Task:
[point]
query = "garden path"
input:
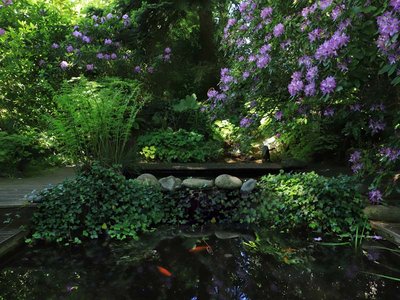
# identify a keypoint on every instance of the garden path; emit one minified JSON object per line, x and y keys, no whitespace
{"x":15,"y":211}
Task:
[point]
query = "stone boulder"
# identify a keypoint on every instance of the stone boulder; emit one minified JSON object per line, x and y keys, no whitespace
{"x":170,"y":183}
{"x":390,"y":214}
{"x":197,"y":183}
{"x":148,"y":179}
{"x":228,"y":182}
{"x":248,"y":186}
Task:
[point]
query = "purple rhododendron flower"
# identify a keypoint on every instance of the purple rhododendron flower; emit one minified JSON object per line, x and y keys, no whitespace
{"x":55,"y":46}
{"x":89,"y":67}
{"x":2,"y":31}
{"x":330,"y":47}
{"x":100,"y":55}
{"x":312,"y":73}
{"x":150,"y":70}
{"x":355,"y":107}
{"x":310,"y":89}
{"x":390,"y":153}
{"x":77,"y":34}
{"x":70,"y":49}
{"x":358,"y":166}
{"x":113,"y":56}
{"x":167,"y":50}
{"x":107,"y":56}
{"x":337,"y":11}
{"x":395,"y":4}
{"x":125,"y":17}
{"x":279,"y":30}
{"x":329,"y":112}
{"x":328,"y":85}
{"x":166,"y":57}
{"x":278,"y":115}
{"x":64,"y":65}
{"x":375,"y":196}
{"x":315,"y":34}
{"x":245,"y":122}
{"x":305,"y":61}
{"x":376,"y":126}
{"x":388,"y":24}
{"x":212,"y":93}
{"x":109,"y":16}
{"x":246,"y":74}
{"x":86,"y":39}
{"x":295,"y":87}
{"x":324,"y":4}
{"x":263,"y":61}
{"x":107,"y":42}
{"x":355,"y":156}
{"x":95,"y":18}
{"x":266,"y":12}
{"x":137,"y":69}
{"x":265,"y":48}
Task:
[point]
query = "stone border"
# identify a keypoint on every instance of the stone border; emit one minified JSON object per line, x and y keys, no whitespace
{"x":224,"y":181}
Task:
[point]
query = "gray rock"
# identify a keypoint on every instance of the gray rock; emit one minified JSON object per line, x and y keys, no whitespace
{"x":197,"y":183}
{"x":148,"y":179}
{"x":382,"y":213}
{"x":170,"y":183}
{"x":228,"y":182}
{"x":248,"y":186}
{"x":226,"y":235}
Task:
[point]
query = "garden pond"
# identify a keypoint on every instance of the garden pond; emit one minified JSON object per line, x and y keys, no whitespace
{"x":208,"y":264}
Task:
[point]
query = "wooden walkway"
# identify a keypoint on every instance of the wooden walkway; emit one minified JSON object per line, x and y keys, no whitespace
{"x":15,"y":211}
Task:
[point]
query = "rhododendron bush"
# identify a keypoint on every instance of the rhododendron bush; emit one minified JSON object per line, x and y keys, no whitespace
{"x":319,"y":76}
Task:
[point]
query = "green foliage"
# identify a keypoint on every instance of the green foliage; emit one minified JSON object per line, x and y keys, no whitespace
{"x":96,"y":202}
{"x":183,"y":146}
{"x":29,"y":71}
{"x":311,"y":202}
{"x":15,"y":151}
{"x":197,"y":207}
{"x":94,"y":119}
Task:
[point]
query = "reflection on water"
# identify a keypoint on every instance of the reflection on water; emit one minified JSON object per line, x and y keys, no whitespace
{"x":131,"y":270}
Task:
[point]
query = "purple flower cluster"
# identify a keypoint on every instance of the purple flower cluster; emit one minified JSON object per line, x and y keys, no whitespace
{"x":331,"y":47}
{"x":316,"y":34}
{"x":328,"y":85}
{"x":390,"y":153}
{"x":376,"y":126}
{"x":246,"y":122}
{"x":167,"y":54}
{"x":296,"y":85}
{"x":279,"y":29}
{"x":2,"y":31}
{"x":395,"y":4}
{"x":278,"y":115}
{"x":355,"y":159}
{"x":89,"y":67}
{"x":308,"y":10}
{"x":64,"y":65}
{"x":266,"y":13}
{"x":375,"y":196}
{"x":324,"y":4}
{"x":329,"y":112}
{"x":388,"y":26}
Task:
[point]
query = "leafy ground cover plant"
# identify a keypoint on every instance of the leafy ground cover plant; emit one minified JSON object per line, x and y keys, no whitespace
{"x":181,"y":145}
{"x":311,"y":202}
{"x":96,"y":201}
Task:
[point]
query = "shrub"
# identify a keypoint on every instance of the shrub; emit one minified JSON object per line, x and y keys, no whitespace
{"x":15,"y":152}
{"x":181,"y":145}
{"x":94,"y":120}
{"x":96,"y":201}
{"x":309,"y":201}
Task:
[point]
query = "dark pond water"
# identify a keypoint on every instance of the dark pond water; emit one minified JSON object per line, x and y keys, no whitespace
{"x":233,"y":267}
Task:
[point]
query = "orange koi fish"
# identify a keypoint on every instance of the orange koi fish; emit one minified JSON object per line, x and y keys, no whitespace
{"x":200,"y":248}
{"x":164,"y":271}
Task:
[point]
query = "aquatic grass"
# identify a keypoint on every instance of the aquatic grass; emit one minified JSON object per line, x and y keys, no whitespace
{"x":383,"y":276}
